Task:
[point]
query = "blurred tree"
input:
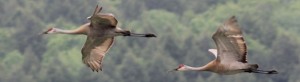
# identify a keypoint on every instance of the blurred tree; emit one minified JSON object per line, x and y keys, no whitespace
{"x":184,"y":29}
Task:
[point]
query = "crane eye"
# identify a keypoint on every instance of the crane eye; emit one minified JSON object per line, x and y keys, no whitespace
{"x":181,"y":65}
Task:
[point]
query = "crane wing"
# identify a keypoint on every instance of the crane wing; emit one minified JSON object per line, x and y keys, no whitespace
{"x":94,"y":51}
{"x":230,"y":42}
{"x":97,"y":10}
{"x":102,"y":20}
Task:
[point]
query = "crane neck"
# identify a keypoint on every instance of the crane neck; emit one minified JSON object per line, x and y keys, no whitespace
{"x":201,"y":68}
{"x":83,"y":29}
{"x":61,"y":31}
{"x":74,"y":31}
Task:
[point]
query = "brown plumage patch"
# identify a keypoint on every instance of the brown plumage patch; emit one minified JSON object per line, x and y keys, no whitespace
{"x":237,"y":37}
{"x":240,"y":45}
{"x":243,"y":49}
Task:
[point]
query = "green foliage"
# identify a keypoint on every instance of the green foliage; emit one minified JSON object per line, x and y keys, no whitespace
{"x":184,"y":29}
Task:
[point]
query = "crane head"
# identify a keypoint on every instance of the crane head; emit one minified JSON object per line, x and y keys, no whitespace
{"x":50,"y":31}
{"x":181,"y":67}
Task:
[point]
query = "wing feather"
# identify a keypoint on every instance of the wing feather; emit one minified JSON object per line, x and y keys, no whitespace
{"x":230,"y":42}
{"x":102,"y":20}
{"x":94,"y":51}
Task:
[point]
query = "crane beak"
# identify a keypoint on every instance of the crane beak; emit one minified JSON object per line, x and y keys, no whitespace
{"x":172,"y":70}
{"x":43,"y":33}
{"x":176,"y":69}
{"x":50,"y":30}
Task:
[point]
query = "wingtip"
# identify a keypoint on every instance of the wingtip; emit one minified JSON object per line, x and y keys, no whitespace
{"x":97,"y":10}
{"x":98,"y":70}
{"x":233,"y":18}
{"x":100,"y":9}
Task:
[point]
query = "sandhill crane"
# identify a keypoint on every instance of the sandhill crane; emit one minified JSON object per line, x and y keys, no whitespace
{"x":230,"y":55}
{"x":100,"y":36}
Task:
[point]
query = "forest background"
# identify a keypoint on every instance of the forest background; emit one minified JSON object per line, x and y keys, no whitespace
{"x":184,"y":29}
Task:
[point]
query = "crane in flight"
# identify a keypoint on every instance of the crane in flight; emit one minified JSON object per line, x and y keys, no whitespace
{"x":230,"y":55}
{"x":100,"y":32}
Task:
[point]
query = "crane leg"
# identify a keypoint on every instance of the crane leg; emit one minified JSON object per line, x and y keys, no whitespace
{"x":261,"y":71}
{"x":128,"y":33}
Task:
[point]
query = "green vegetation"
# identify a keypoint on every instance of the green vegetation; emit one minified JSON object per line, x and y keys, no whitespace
{"x":184,"y":29}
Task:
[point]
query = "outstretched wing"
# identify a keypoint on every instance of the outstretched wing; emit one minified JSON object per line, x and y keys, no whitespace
{"x":94,"y":51}
{"x":102,"y":20}
{"x":96,"y":11}
{"x":230,"y":42}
